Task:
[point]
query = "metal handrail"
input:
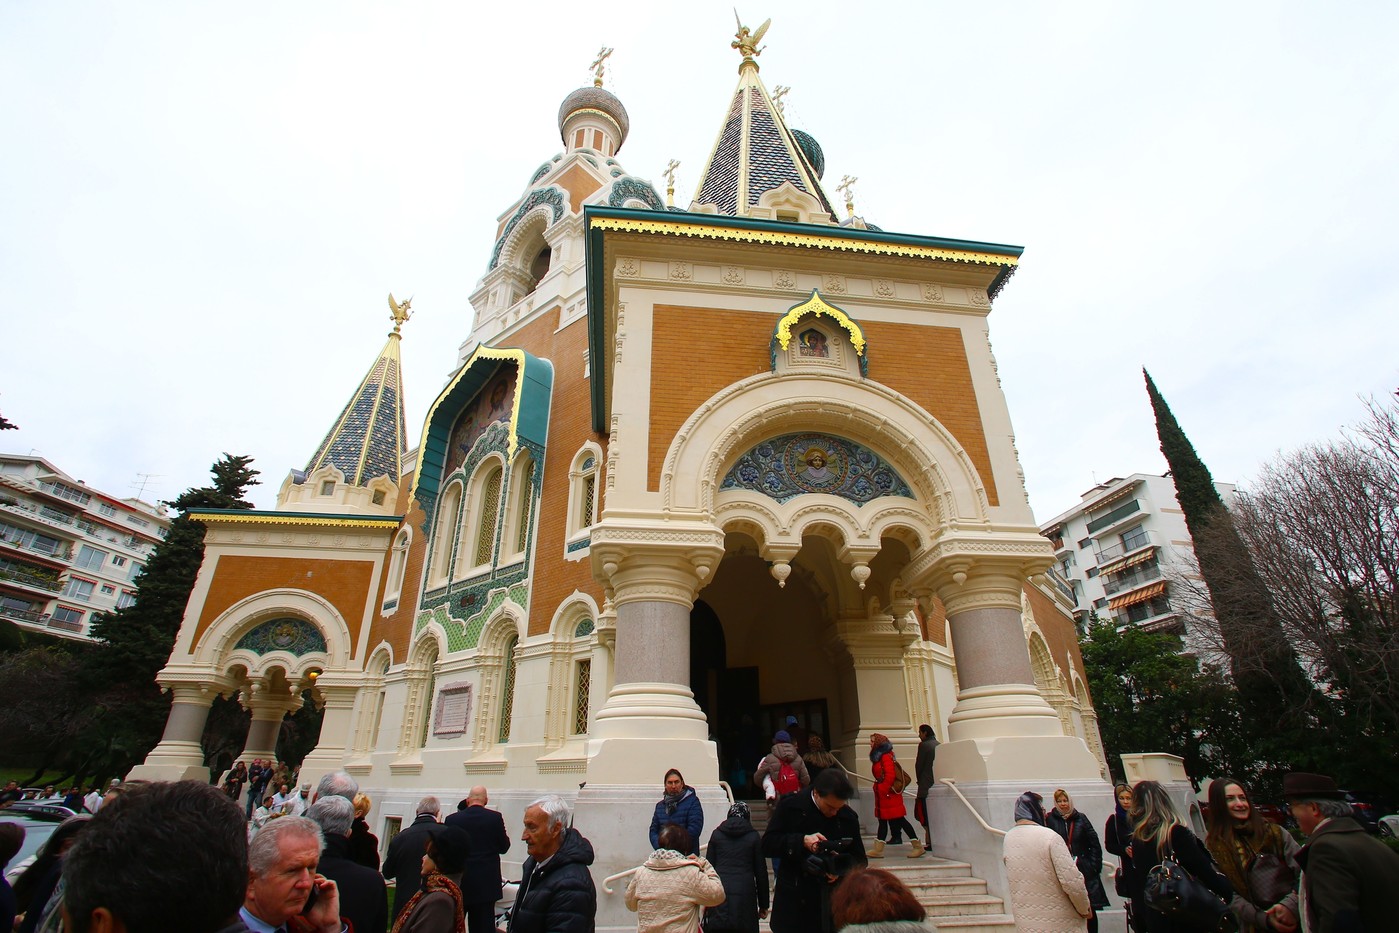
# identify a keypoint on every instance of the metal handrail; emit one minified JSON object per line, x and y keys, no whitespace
{"x":872,"y":782}
{"x":958,"y":791}
{"x":607,"y":882}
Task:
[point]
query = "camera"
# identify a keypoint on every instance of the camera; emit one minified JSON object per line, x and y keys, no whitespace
{"x":832,"y":857}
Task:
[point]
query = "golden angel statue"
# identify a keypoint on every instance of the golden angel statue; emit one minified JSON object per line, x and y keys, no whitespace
{"x":747,"y":41}
{"x":400,"y":311}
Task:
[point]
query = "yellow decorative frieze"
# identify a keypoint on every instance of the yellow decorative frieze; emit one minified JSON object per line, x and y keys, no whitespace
{"x":807,"y":240}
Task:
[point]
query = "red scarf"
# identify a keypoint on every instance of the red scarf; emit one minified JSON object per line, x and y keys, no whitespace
{"x":435,"y":882}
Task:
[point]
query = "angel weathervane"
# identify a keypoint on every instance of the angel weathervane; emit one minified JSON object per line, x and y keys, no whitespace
{"x":747,"y":41}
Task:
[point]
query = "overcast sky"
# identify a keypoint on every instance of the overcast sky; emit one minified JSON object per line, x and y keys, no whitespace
{"x":203,"y":206}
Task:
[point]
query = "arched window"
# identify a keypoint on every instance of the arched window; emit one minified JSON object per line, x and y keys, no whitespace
{"x":507,"y":689}
{"x":539,"y":267}
{"x":422,"y":682}
{"x":583,"y":498}
{"x":490,"y":513}
{"x":398,"y":566}
{"x":515,"y":540}
{"x":445,"y":535}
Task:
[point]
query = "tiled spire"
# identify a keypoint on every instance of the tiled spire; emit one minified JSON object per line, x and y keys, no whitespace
{"x":370,"y":436}
{"x":755,"y":152}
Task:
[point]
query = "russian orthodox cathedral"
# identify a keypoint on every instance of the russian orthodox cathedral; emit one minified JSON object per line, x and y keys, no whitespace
{"x":699,"y":469}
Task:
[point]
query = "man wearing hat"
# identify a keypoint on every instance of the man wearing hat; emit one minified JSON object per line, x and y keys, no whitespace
{"x":1350,"y":882}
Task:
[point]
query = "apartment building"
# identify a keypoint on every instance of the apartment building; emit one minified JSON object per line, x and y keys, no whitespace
{"x":1124,"y":548}
{"x":68,"y":552}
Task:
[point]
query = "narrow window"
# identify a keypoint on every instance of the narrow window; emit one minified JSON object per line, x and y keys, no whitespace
{"x":507,"y":691}
{"x":584,"y":683}
{"x":490,"y":507}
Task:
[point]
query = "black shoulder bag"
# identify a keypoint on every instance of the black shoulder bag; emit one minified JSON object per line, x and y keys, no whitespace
{"x":1172,"y":891}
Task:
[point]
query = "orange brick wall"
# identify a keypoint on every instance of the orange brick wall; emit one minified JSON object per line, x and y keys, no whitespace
{"x":342,"y":583}
{"x":736,"y":347}
{"x":397,"y":627}
{"x":929,"y":365}
{"x":1059,"y":632}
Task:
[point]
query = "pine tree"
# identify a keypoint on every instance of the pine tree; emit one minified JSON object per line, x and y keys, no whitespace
{"x":133,"y":644}
{"x":1276,"y":695}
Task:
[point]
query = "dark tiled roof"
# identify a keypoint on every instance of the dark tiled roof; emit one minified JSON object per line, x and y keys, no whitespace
{"x":721,"y":184}
{"x":769,"y":160}
{"x":369,"y":437}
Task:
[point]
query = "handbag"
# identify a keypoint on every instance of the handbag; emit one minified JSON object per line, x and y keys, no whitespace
{"x":1270,"y":878}
{"x":1172,"y":891}
{"x":1119,"y":882}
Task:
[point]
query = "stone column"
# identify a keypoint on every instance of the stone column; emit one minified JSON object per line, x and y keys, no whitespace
{"x":180,"y":756}
{"x":1001,"y":728}
{"x":268,"y":712}
{"x":337,"y":692}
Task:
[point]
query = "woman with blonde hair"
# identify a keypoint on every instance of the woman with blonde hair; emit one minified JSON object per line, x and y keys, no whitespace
{"x":1258,"y":858}
{"x":364,"y":845}
{"x":1157,"y":834}
{"x":1077,"y":832}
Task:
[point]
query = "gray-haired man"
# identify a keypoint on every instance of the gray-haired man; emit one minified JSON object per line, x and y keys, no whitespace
{"x":556,"y":893}
{"x":404,"y":861}
{"x":363,"y":898}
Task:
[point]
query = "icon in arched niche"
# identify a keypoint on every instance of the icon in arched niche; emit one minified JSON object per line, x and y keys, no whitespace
{"x":793,"y":464}
{"x":292,"y":635}
{"x":812,"y":343}
{"x":491,"y":405}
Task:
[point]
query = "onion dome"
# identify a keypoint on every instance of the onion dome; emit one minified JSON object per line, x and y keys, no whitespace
{"x":593,"y":118}
{"x":812,"y":150}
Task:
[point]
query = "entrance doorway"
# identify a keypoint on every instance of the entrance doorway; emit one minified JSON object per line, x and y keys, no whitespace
{"x":757,"y":656}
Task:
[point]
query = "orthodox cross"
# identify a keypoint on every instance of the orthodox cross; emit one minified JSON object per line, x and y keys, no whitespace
{"x":779,"y":92}
{"x":846,"y":184}
{"x":599,"y":64}
{"x":669,"y":174}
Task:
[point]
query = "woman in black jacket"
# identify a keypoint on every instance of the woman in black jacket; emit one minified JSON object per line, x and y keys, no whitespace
{"x":1159,"y":833}
{"x":1077,"y":831}
{"x":735,"y":851}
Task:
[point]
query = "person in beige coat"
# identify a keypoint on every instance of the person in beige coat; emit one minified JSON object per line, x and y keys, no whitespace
{"x":1047,"y":893}
{"x":669,"y":892}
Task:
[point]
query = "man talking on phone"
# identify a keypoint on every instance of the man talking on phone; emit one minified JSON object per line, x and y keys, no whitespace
{"x":285,"y":895}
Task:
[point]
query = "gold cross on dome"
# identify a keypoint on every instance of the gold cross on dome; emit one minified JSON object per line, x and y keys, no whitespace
{"x":669,"y":174}
{"x":599,"y":64}
{"x":846,"y":187}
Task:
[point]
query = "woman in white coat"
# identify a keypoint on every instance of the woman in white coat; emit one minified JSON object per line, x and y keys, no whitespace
{"x":1047,"y":893}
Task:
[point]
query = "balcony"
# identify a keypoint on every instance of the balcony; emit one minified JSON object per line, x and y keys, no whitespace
{"x":1113,"y":517}
{"x":17,"y":574}
{"x":1130,"y":581}
{"x":23,"y":615}
{"x":1137,"y":540}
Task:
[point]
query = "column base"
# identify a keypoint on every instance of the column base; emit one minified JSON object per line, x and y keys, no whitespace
{"x":172,"y":761}
{"x":646,"y":728}
{"x":1000,"y":710}
{"x":1032,"y":759}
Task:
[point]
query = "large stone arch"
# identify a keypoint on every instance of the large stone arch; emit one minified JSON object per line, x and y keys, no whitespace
{"x":216,"y":649}
{"x":942,"y":476}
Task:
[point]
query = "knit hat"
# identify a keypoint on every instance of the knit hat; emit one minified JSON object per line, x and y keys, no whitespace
{"x":791,"y":720}
{"x":739,"y":808}
{"x":782,"y":736}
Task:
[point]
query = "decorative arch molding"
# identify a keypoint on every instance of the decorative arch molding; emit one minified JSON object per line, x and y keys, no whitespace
{"x":573,"y":610}
{"x":547,"y":204}
{"x":1049,"y":680}
{"x":216,"y":649}
{"x":903,"y":433}
{"x":782,"y":334}
{"x":843,"y":522}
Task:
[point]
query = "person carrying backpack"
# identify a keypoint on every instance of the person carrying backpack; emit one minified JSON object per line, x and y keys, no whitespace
{"x":890,"y":779}
{"x":782,"y":768}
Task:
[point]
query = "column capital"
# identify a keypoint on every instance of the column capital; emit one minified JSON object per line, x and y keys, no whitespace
{"x":647,"y":562}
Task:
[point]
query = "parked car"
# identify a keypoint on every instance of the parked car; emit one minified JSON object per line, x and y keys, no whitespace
{"x":1368,"y":807}
{"x":39,"y":822}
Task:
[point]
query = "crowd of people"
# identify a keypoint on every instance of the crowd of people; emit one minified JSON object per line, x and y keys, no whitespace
{"x":318,"y":868}
{"x":1248,"y":874}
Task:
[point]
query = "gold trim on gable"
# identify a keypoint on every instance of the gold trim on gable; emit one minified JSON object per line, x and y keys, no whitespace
{"x":817,"y":305}
{"x":809,"y":240}
{"x":264,"y":518}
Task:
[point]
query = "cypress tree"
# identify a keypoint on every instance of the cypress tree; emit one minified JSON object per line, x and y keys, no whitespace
{"x":1276,"y":694}
{"x":133,"y":644}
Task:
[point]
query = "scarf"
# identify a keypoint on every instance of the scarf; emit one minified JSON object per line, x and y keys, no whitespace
{"x":672,"y":801}
{"x":740,"y":809}
{"x":1027,"y":807}
{"x":880,"y":748}
{"x":436,"y":881}
{"x":1235,"y":858}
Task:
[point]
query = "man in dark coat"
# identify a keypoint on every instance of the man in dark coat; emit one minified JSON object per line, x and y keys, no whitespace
{"x":556,"y":893}
{"x":923,"y":774}
{"x":481,"y":882}
{"x":363,"y":894}
{"x":809,"y":823}
{"x":404,"y":861}
{"x":1350,"y":882}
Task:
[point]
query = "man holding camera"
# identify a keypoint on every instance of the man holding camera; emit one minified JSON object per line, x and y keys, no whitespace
{"x":817,"y":837}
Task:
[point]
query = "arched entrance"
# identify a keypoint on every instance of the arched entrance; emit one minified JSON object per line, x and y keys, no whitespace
{"x":760,"y":652}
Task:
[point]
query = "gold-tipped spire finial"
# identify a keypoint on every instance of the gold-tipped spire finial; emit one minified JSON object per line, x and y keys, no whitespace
{"x":669,"y":174}
{"x":846,"y":187}
{"x":401,"y":314}
{"x":778,"y":92}
{"x":746,"y":41}
{"x":599,"y":64}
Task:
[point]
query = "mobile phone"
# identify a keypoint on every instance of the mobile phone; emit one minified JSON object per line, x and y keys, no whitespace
{"x":312,"y":897}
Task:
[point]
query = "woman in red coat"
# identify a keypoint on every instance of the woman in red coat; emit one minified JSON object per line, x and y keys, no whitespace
{"x":889,"y":803}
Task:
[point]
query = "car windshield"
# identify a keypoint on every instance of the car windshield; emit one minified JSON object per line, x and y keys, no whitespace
{"x":37,"y":830}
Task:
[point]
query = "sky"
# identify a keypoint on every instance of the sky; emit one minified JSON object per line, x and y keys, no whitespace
{"x":204,"y":206}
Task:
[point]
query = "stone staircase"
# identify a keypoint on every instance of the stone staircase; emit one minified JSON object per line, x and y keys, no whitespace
{"x":955,"y":900}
